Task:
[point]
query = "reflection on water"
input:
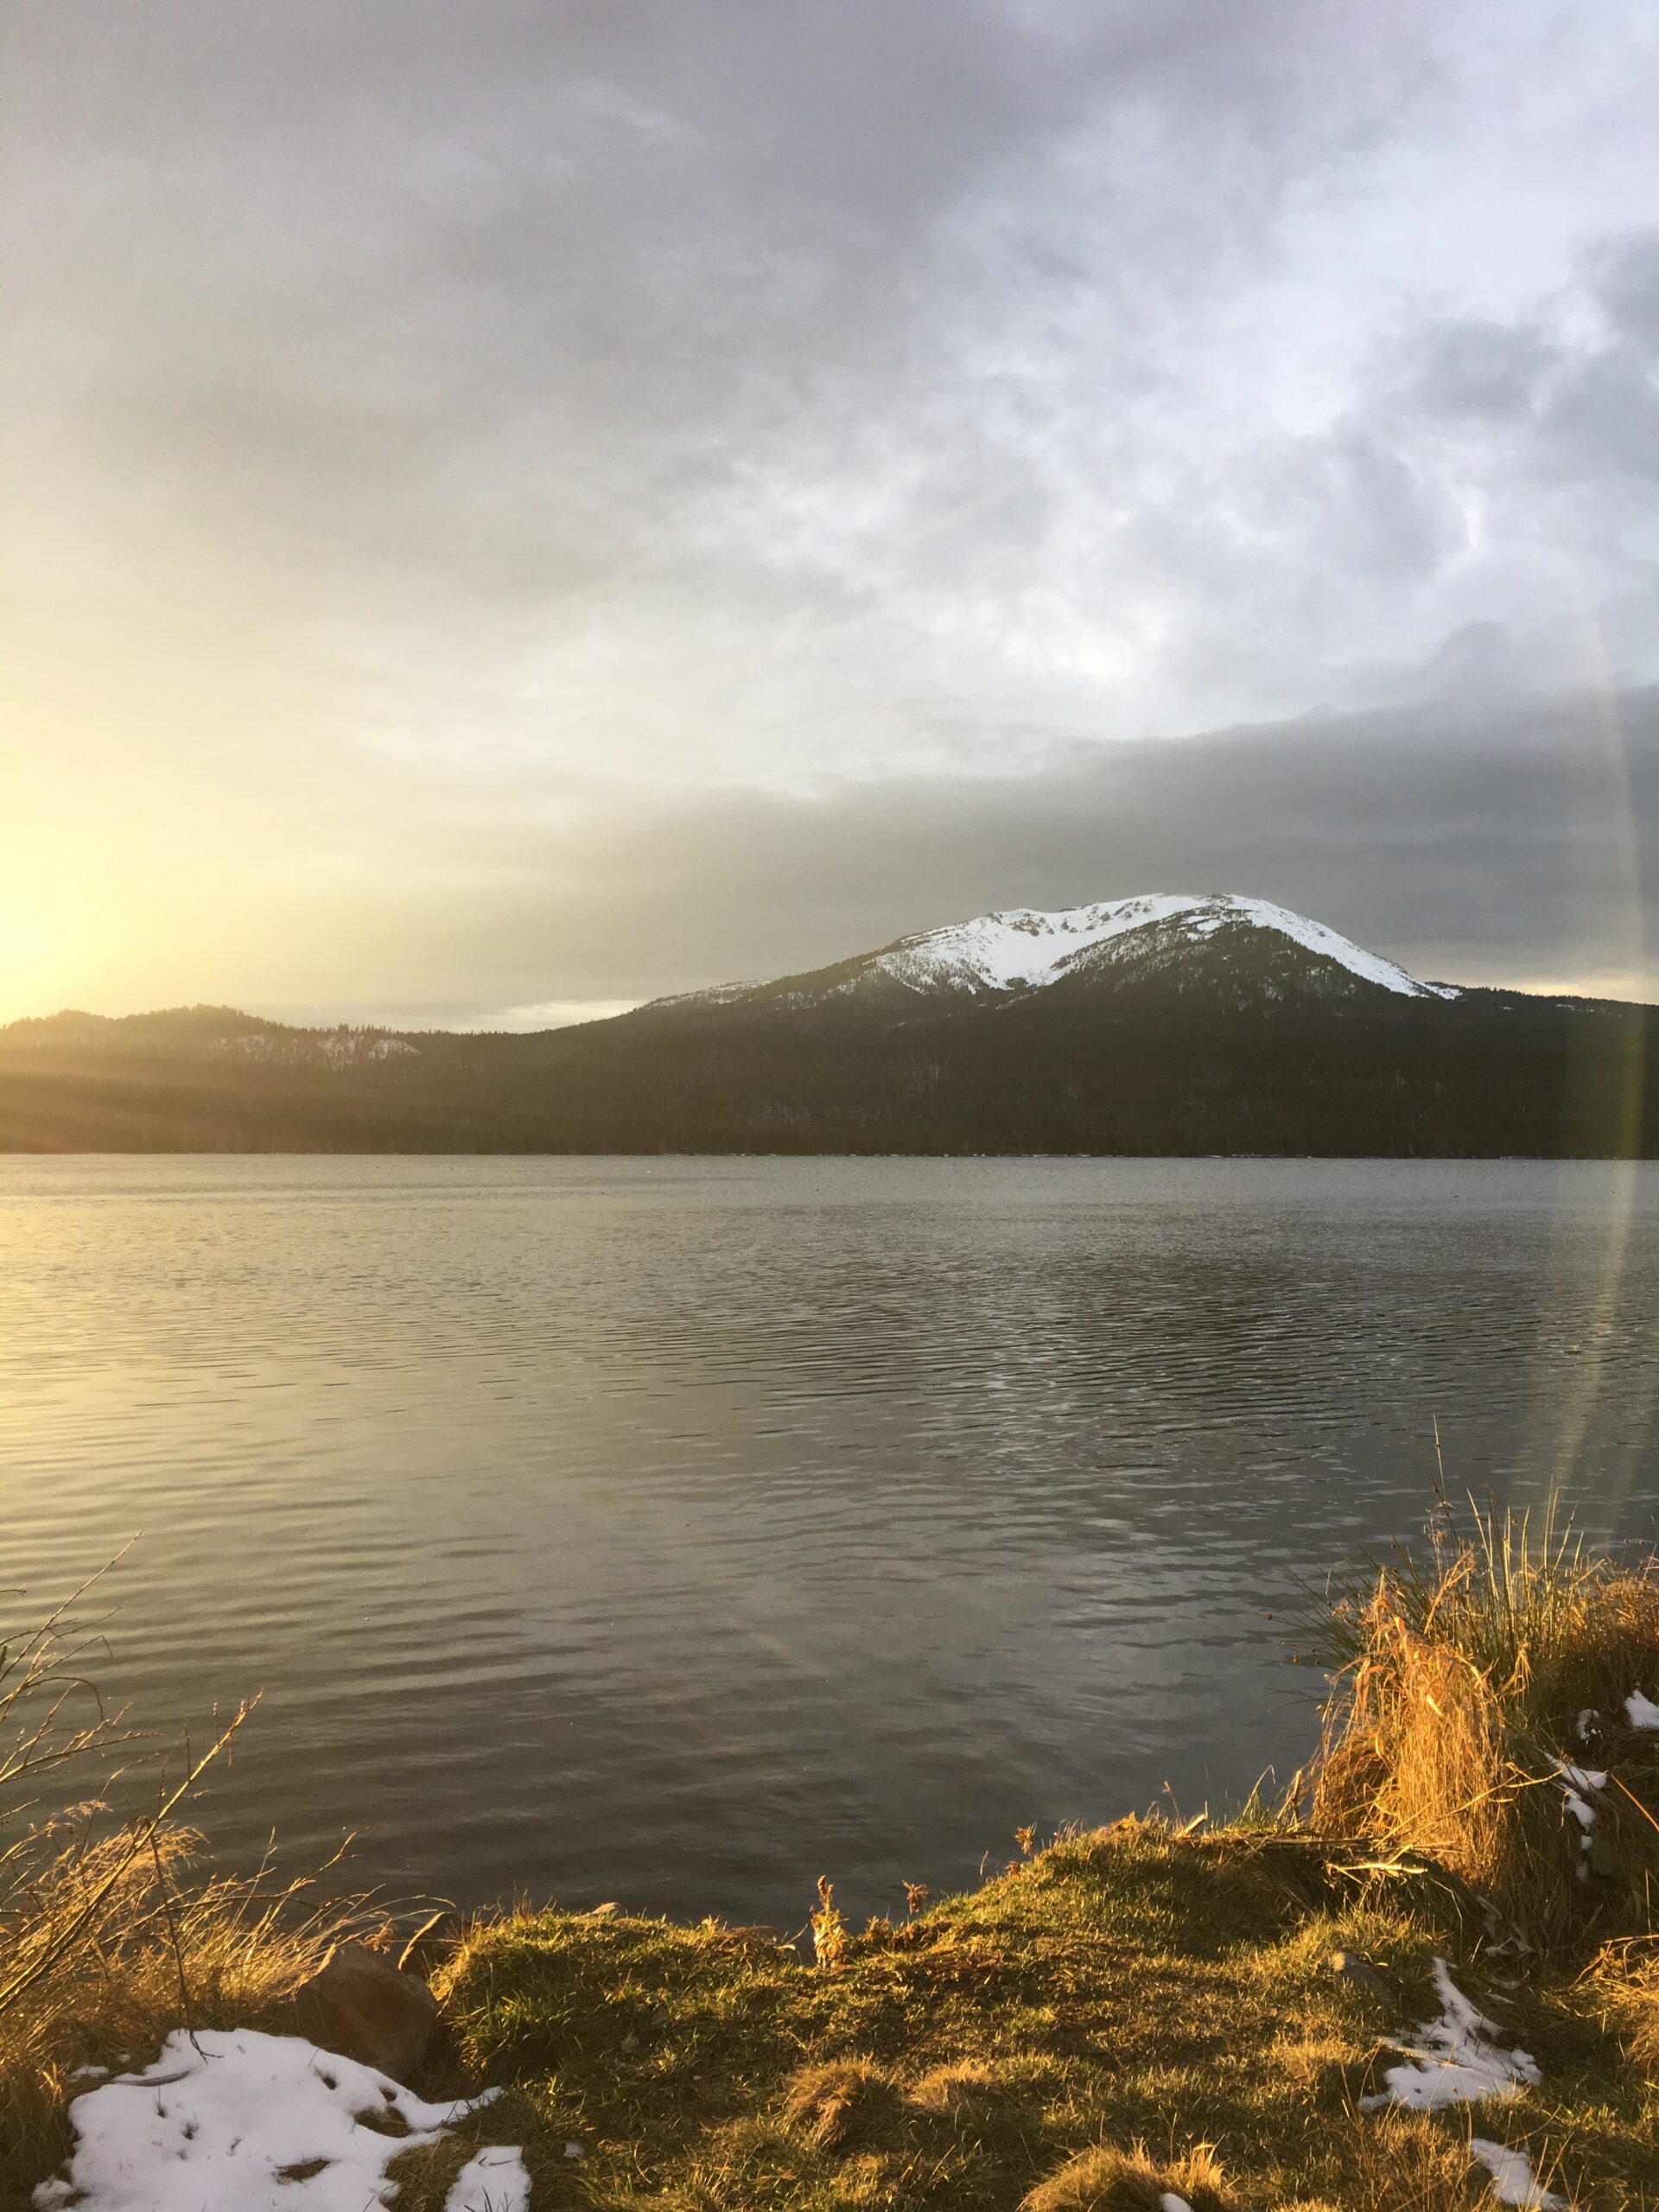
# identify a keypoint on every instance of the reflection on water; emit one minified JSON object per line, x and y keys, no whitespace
{"x":680,"y":1530}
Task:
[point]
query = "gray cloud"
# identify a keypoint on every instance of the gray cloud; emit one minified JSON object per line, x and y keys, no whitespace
{"x":1626,"y":274}
{"x":1510,"y":845}
{"x":449,"y":449}
{"x":1473,"y":368}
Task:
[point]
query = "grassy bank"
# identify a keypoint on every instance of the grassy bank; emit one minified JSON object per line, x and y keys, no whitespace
{"x":1120,"y":2015}
{"x":1134,"y":1989}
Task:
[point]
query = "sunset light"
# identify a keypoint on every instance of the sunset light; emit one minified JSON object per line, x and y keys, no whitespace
{"x":60,"y":935}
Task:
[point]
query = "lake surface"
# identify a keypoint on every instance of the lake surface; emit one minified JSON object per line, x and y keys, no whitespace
{"x":678,"y":1531}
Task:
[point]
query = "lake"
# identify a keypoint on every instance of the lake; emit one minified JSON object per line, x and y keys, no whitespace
{"x":679,"y":1530}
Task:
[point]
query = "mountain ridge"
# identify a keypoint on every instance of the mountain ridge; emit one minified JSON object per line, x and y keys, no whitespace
{"x":1167,"y":1023}
{"x":1023,"y":948}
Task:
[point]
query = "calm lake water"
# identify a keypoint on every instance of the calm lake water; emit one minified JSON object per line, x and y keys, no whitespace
{"x":678,"y":1531}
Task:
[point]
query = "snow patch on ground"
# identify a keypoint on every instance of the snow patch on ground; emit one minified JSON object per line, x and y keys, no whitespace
{"x":231,"y":2120}
{"x":1582,"y":1777}
{"x":1576,"y":1782}
{"x":1455,"y":2061}
{"x":495,"y":2181}
{"x":1641,"y":1712}
{"x":1512,"y":2180}
{"x":340,"y":1048}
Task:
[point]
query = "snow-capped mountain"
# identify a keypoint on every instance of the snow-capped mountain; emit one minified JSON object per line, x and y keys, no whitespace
{"x":1219,"y":941}
{"x":1024,"y":950}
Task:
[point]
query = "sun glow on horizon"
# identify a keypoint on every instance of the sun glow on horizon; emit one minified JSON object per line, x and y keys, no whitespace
{"x":60,"y":937}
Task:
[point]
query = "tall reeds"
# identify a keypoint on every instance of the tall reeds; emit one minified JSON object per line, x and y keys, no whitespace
{"x":115,"y":1929}
{"x":1479,"y":1718}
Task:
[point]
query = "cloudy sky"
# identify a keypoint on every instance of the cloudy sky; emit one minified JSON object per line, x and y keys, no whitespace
{"x":528,"y":505}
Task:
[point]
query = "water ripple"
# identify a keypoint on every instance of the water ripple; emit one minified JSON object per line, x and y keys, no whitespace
{"x":682,"y":1529}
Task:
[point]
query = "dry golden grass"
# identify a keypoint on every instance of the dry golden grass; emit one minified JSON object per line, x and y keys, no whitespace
{"x":426,"y":2174}
{"x":1407,"y":2162}
{"x":1623,"y":1982}
{"x":1102,"y":2179}
{"x":1460,"y":1689}
{"x":830,"y":2105}
{"x":964,"y":2090}
{"x":173,"y":1943}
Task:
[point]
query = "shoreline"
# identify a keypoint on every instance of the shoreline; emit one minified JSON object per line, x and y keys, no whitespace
{"x":1424,"y":1980}
{"x":1120,"y":2017}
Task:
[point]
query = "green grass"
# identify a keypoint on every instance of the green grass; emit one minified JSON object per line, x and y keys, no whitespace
{"x":1135,"y":1987}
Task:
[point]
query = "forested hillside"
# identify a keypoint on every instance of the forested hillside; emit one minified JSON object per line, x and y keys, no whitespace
{"x":1143,"y":1071}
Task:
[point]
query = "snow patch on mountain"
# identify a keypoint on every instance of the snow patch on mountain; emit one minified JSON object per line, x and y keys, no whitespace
{"x":1026,"y":949}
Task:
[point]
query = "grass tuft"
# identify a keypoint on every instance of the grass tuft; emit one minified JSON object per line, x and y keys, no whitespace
{"x":832,"y":2105}
{"x":1406,"y":2162}
{"x":965,"y":2090}
{"x":831,"y":1936}
{"x":1105,"y":2180}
